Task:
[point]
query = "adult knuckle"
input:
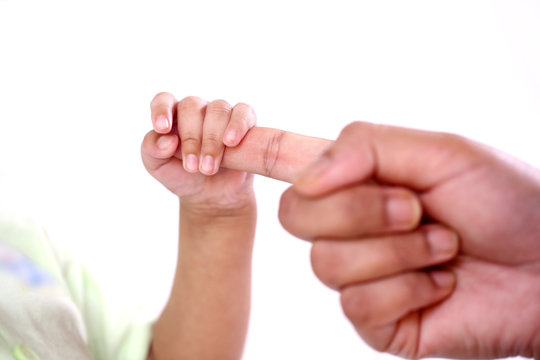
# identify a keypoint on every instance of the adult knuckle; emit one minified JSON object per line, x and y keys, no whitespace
{"x":290,"y":214}
{"x":453,"y":144}
{"x":398,"y":256}
{"x":285,"y":213}
{"x":326,"y":263}
{"x":358,"y":127}
{"x":355,"y":305}
{"x":363,"y":209}
{"x":271,"y":152}
{"x":353,"y":127}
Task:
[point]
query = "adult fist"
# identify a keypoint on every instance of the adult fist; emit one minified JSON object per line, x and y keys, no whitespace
{"x":360,"y":205}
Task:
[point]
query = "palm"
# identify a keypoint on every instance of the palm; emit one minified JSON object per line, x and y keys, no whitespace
{"x":226,"y":188}
{"x":499,"y":259}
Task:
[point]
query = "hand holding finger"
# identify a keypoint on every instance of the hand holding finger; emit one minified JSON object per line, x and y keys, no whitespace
{"x":223,"y":126}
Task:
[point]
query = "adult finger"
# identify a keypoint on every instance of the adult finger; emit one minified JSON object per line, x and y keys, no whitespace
{"x":274,"y":153}
{"x":243,"y":118}
{"x":217,"y":116}
{"x":163,"y":111}
{"x":377,"y":309}
{"x":338,"y":263}
{"x":388,"y":154}
{"x":351,"y":212}
{"x":190,"y":112}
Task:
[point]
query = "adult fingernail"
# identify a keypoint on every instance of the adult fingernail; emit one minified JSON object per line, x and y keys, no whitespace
{"x":207,"y":165}
{"x":403,"y":211}
{"x":442,"y":242}
{"x":162,"y":123}
{"x":191,"y":163}
{"x":443,"y":279}
{"x":229,"y":138}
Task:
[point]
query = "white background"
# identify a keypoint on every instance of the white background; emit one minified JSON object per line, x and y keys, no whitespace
{"x":76,"y":79}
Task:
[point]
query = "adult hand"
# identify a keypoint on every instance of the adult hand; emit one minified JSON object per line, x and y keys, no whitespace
{"x":353,"y":204}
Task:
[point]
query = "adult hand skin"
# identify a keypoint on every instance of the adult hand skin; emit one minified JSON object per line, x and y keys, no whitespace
{"x":485,"y":302}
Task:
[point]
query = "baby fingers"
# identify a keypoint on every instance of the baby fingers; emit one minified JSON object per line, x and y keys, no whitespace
{"x":157,"y":150}
{"x":218,"y":115}
{"x":243,"y":118}
{"x":206,"y":128}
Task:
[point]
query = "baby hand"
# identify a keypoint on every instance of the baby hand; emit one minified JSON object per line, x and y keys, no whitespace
{"x":187,"y":145}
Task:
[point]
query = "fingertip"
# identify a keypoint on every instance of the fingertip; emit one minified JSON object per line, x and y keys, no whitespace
{"x":157,"y":148}
{"x":207,"y":165}
{"x":403,"y":209}
{"x":164,"y":146}
{"x":164,"y":142}
{"x":162,"y":124}
{"x":242,"y":119}
{"x":191,"y":163}
{"x":230,"y":138}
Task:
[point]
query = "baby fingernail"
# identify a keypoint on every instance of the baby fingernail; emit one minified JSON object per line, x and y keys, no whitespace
{"x":442,"y":242}
{"x":207,"y":165}
{"x":403,"y":211}
{"x":163,"y":142}
{"x":162,"y":123}
{"x":191,"y":163}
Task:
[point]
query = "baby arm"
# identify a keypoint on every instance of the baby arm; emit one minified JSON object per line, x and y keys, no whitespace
{"x":207,"y":313}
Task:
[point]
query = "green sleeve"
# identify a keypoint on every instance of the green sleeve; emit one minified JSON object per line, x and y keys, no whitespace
{"x":110,"y":336}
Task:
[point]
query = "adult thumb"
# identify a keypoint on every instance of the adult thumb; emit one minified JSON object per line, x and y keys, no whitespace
{"x":391,"y":155}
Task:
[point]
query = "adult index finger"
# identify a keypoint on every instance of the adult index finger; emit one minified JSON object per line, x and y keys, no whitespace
{"x":274,"y":153}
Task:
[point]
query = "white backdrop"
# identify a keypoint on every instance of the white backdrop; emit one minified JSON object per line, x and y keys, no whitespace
{"x":76,"y":79}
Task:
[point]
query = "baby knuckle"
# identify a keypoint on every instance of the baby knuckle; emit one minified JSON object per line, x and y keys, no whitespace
{"x":159,"y":97}
{"x":245,"y":111}
{"x":190,"y":102}
{"x":211,"y":143}
{"x":218,"y":107}
{"x":189,"y":140}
